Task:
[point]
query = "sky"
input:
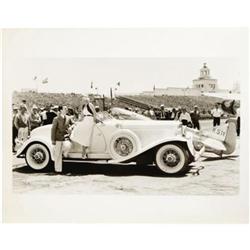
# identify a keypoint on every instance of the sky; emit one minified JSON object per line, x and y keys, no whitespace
{"x":134,"y":74}
{"x":137,"y":58}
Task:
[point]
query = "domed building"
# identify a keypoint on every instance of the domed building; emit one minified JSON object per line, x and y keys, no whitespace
{"x":205,"y":83}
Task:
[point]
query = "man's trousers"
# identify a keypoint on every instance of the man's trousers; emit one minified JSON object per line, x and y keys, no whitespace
{"x":61,"y":148}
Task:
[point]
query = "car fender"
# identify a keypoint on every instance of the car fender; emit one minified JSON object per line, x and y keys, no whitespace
{"x":48,"y":144}
{"x":175,"y":139}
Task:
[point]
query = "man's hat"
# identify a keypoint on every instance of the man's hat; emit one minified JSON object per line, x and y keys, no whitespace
{"x":54,"y":107}
{"x":23,"y":106}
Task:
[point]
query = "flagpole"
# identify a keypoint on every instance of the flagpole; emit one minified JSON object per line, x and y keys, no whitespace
{"x":111,"y":97}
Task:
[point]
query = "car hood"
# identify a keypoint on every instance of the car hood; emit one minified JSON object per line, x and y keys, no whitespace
{"x":149,"y":124}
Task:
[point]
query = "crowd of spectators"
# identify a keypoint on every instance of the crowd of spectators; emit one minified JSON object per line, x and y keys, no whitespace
{"x":25,"y":119}
{"x":190,"y":119}
{"x":205,"y":104}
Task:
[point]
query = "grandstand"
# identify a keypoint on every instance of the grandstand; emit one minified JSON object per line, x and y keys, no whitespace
{"x":204,"y":103}
{"x":43,"y":99}
{"x":141,"y":101}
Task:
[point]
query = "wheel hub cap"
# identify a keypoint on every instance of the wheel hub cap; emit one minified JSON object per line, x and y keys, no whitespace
{"x":171,"y":158}
{"x":123,"y":146}
{"x":38,"y":156}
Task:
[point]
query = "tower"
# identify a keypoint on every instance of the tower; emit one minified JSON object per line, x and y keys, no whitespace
{"x":205,"y":83}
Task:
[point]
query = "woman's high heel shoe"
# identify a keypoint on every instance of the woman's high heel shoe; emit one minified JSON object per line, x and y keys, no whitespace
{"x":84,"y":155}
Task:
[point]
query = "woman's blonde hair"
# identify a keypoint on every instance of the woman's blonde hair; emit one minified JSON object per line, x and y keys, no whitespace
{"x":85,"y":98}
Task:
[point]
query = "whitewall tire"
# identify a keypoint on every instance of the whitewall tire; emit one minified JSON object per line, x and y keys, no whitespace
{"x":172,"y":159}
{"x":123,"y":144}
{"x":37,"y":156}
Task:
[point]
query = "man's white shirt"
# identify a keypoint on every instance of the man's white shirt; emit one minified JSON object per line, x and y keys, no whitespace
{"x":217,"y":112}
{"x":185,"y":116}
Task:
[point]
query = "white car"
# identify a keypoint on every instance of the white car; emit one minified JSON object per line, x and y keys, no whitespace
{"x":123,"y":136}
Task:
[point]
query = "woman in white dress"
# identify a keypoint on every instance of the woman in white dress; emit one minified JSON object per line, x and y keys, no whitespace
{"x":82,"y":133}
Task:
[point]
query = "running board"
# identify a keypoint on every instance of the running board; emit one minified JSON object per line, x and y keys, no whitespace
{"x":85,"y":160}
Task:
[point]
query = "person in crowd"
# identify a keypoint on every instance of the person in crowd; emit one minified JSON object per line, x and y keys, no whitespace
{"x":162,"y":112}
{"x":216,"y":114}
{"x":195,"y":117}
{"x":59,"y":131}
{"x":24,"y":102}
{"x":173,"y":114}
{"x":185,"y":117}
{"x":168,"y":113}
{"x":152,"y":113}
{"x":22,"y":124}
{"x":76,"y":114}
{"x":70,"y":112}
{"x":51,"y":114}
{"x":34,"y":118}
{"x":157,"y":114}
{"x":238,"y":121}
{"x":178,"y":113}
{"x":82,"y":133}
{"x":14,"y":129}
{"x":146,"y":112}
{"x":44,"y":114}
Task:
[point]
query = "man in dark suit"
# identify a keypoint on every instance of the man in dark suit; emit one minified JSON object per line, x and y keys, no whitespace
{"x":195,"y":116}
{"x":59,"y":131}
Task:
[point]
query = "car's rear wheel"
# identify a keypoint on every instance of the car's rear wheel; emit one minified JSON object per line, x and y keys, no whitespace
{"x":172,"y":159}
{"x":37,"y":156}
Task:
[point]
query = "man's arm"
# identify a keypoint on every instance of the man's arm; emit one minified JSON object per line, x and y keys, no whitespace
{"x":53,"y":131}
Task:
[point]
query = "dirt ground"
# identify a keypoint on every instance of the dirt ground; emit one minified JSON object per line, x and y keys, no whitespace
{"x":211,"y":176}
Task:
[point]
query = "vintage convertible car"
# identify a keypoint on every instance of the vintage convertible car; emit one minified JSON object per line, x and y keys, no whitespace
{"x":123,"y":136}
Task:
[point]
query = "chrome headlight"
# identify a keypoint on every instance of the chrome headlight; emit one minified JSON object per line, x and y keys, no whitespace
{"x":198,"y":145}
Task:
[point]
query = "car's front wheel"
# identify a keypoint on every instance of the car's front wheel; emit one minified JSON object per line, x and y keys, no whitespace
{"x":37,"y":156}
{"x":172,"y":159}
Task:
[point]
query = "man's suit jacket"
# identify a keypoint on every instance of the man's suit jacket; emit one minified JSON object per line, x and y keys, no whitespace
{"x":59,"y":128}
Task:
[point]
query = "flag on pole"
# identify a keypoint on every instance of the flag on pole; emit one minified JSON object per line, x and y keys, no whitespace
{"x":45,"y":80}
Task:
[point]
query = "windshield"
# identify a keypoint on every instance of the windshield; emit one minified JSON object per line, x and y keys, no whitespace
{"x":123,"y":114}
{"x":104,"y":116}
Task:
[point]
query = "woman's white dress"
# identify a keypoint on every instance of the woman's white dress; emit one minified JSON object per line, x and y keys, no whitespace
{"x":82,"y":133}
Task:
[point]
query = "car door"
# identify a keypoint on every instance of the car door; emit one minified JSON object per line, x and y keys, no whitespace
{"x":98,"y":143}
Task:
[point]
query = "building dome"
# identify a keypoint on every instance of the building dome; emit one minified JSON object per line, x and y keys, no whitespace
{"x":204,"y":82}
{"x":204,"y":72}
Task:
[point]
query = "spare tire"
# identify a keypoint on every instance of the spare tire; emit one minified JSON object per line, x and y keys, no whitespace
{"x":124,"y":143}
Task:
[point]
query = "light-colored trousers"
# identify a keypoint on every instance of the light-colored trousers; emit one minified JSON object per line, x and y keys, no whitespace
{"x":61,"y":148}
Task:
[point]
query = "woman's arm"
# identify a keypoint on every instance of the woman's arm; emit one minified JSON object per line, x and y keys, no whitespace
{"x":91,"y":106}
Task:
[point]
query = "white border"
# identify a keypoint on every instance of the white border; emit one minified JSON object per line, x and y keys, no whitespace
{"x":181,"y":42}
{"x":214,"y":14}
